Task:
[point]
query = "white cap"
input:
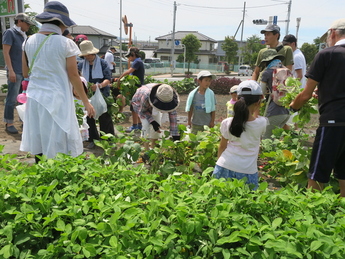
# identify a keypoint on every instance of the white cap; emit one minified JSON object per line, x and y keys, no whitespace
{"x":249,"y":87}
{"x":205,"y":73}
{"x":338,"y":24}
{"x":233,"y":89}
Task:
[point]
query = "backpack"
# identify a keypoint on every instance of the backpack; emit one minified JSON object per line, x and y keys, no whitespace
{"x":279,"y":88}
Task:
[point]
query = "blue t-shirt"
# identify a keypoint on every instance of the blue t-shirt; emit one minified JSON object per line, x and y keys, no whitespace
{"x":15,"y":39}
{"x":138,"y":65}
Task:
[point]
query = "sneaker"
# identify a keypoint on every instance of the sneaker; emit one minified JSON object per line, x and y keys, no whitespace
{"x":140,"y":126}
{"x":91,"y":145}
{"x":131,"y":128}
{"x":11,"y":129}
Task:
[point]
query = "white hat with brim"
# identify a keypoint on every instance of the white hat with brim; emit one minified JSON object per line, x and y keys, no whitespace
{"x":87,"y":48}
{"x":55,"y":11}
{"x":337,"y":25}
{"x":249,"y":87}
{"x":164,"y":98}
{"x":205,"y":73}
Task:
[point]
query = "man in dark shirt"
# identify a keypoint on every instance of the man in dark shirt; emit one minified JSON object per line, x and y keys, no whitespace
{"x":329,"y":146}
{"x":12,"y":41}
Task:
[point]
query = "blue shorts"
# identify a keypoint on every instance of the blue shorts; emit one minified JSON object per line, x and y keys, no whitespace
{"x":221,"y":172}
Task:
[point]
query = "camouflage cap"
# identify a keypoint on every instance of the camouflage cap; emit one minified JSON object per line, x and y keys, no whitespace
{"x":270,"y":54}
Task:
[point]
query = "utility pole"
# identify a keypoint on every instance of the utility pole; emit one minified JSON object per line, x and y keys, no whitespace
{"x":120,"y":68}
{"x":288,"y":18}
{"x":298,"y":20}
{"x":173,"y":43}
{"x":240,"y":45}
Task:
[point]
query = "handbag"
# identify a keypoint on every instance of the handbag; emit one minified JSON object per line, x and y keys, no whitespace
{"x":98,"y":103}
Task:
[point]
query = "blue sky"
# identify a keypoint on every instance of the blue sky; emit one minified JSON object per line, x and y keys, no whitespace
{"x":216,"y":19}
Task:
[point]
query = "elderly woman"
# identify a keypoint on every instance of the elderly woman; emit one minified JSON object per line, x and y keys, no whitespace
{"x":96,"y":71}
{"x":50,"y":122}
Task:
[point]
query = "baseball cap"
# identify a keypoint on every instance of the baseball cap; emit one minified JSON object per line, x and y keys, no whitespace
{"x":289,"y":39}
{"x":249,"y":87}
{"x":338,"y":24}
{"x":205,"y":73}
{"x":24,"y":17}
{"x":233,"y":89}
{"x":271,"y":27}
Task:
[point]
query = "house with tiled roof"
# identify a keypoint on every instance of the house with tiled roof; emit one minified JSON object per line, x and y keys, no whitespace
{"x":101,"y":40}
{"x":206,"y":53}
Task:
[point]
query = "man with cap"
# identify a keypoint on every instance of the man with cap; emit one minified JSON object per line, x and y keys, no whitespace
{"x":109,"y":57}
{"x":137,"y":69}
{"x":272,"y":35}
{"x":299,"y":66}
{"x":149,"y":102}
{"x":326,"y":72}
{"x":12,"y":41}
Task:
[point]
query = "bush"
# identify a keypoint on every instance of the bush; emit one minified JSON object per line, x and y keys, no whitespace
{"x":222,"y":85}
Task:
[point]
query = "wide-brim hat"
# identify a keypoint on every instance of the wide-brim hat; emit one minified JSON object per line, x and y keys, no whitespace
{"x":87,"y":48}
{"x":271,"y":54}
{"x":164,"y":98}
{"x":55,"y":11}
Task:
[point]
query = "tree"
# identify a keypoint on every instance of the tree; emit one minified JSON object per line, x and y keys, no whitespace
{"x":180,"y":58}
{"x":251,"y":49}
{"x":33,"y":29}
{"x":192,"y":45}
{"x":309,"y":51}
{"x":142,"y":55}
{"x":230,"y":47}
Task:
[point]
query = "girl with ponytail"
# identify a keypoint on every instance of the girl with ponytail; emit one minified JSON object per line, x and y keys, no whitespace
{"x":239,"y":147}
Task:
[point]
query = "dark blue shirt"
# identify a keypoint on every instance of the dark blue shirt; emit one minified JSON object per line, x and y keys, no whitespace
{"x":138,"y":65}
{"x":15,"y":39}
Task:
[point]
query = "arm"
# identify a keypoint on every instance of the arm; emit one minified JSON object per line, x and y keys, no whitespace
{"x":25,"y":67}
{"x":190,"y":114}
{"x":305,"y":95}
{"x":213,"y":116}
{"x":222,"y":146}
{"x":74,"y":77}
{"x":8,"y":62}
{"x":127,"y":72}
{"x":289,"y":67}
{"x":299,"y":74}
{"x":256,"y":73}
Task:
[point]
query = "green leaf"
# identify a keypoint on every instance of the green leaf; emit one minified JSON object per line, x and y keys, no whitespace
{"x":113,"y":241}
{"x":60,"y":225}
{"x":276,"y":223}
{"x":6,"y":251}
{"x":226,"y":253}
{"x":315,"y":245}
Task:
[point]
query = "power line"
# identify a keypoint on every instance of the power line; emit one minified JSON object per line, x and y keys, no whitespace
{"x":229,"y":8}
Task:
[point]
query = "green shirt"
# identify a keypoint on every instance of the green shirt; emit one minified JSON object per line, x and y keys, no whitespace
{"x":285,"y":50}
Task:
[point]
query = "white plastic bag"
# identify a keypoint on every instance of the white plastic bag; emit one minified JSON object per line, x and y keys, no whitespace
{"x":84,"y":130}
{"x":98,"y":103}
{"x":21,"y":111}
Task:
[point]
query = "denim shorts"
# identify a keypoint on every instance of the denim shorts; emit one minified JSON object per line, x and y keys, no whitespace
{"x":221,"y":172}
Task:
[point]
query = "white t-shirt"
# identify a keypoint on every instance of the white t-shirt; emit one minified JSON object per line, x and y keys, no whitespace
{"x":109,"y":57}
{"x":241,"y":153}
{"x":299,"y":63}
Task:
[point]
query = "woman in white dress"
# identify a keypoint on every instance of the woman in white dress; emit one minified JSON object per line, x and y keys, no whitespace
{"x":50,"y":123}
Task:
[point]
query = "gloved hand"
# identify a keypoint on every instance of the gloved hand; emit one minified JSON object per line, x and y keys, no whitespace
{"x":176,"y":138}
{"x":155,"y":125}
